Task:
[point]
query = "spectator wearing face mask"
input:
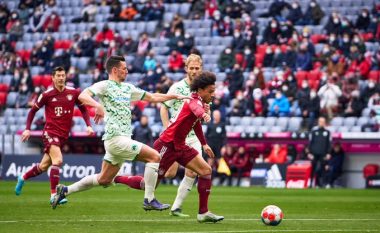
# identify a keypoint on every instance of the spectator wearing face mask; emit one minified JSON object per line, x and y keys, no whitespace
{"x":354,"y":106}
{"x":369,"y":90}
{"x":14,"y":28}
{"x":235,"y":80}
{"x":105,"y":36}
{"x":248,"y":60}
{"x":345,"y":27}
{"x":176,"y":40}
{"x":52,"y":23}
{"x":311,"y":112}
{"x":363,"y":20}
{"x":374,"y":105}
{"x":333,"y":41}
{"x":304,"y":61}
{"x":226,"y":60}
{"x":88,"y":13}
{"x":345,"y":44}
{"x":237,"y":43}
{"x":257,"y":103}
{"x":278,"y":58}
{"x":313,"y":14}
{"x":271,"y":32}
{"x":359,"y":65}
{"x":329,"y":95}
{"x":150,"y":63}
{"x":36,"y":21}
{"x":336,"y":65}
{"x":268,"y":58}
{"x":295,"y":13}
{"x":280,"y":106}
{"x":333,"y":24}
{"x":324,"y":56}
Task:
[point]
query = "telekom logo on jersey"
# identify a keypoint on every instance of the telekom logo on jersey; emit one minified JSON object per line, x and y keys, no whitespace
{"x":58,"y":111}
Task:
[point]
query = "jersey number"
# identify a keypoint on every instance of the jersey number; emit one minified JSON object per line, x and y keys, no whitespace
{"x":58,"y":111}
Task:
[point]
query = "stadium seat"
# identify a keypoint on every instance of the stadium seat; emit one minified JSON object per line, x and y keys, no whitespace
{"x":282,"y":122}
{"x":46,"y":81}
{"x":356,"y":129}
{"x":3,"y":98}
{"x":349,"y":121}
{"x":250,"y":129}
{"x":11,"y":99}
{"x":362,"y":121}
{"x":294,"y":124}
{"x":270,"y":121}
{"x":276,"y":129}
{"x":258,"y":121}
{"x":246,"y":121}
{"x":4,"y":87}
{"x":235,"y":120}
{"x":337,"y":121}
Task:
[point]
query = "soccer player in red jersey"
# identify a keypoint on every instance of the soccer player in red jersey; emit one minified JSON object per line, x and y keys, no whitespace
{"x":172,"y":142}
{"x":59,"y":102}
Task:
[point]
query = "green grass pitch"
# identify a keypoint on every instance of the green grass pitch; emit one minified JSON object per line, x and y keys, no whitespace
{"x":119,"y":209}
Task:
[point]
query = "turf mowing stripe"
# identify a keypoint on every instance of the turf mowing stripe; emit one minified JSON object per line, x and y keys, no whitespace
{"x":311,"y":230}
{"x":173,"y":220}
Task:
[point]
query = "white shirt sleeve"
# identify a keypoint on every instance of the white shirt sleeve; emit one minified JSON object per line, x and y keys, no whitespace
{"x":137,"y":93}
{"x":172,"y":90}
{"x":98,"y":88}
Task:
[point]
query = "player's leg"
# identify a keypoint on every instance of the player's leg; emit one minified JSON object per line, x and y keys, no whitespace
{"x":185,"y":186}
{"x":56,"y":163}
{"x":201,"y":167}
{"x":32,"y":172}
{"x":152,"y":159}
{"x":104,"y":178}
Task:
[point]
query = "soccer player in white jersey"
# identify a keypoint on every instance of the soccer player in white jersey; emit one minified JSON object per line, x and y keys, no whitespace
{"x":193,"y":68}
{"x":115,"y":98}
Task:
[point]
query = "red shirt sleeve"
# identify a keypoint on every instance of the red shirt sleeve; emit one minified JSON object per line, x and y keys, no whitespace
{"x":198,"y":131}
{"x":83,"y":110}
{"x":196,"y":107}
{"x":30,"y":117}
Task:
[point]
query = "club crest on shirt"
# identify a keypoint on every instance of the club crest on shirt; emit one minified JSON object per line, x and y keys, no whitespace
{"x":69,"y":97}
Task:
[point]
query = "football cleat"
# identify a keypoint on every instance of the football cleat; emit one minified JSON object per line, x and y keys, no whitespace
{"x":209,"y":217}
{"x":61,"y":202}
{"x":19,"y":185}
{"x":154,"y":205}
{"x":59,"y":196}
{"x":178,"y":213}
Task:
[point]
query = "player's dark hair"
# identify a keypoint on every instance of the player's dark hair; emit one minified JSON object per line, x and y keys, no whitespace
{"x":56,"y":69}
{"x":113,"y":61}
{"x":206,"y":78}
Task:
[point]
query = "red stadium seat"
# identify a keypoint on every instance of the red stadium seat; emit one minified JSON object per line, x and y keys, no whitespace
{"x":261,"y":49}
{"x":300,"y":76}
{"x":316,"y":38}
{"x":259,"y":59}
{"x":370,"y":170}
{"x":374,"y":75}
{"x":313,"y":84}
{"x":37,"y":79}
{"x":77,"y":112}
{"x":3,"y":98}
{"x":46,"y":81}
{"x":62,"y":44}
{"x":3,"y":87}
{"x":314,"y":75}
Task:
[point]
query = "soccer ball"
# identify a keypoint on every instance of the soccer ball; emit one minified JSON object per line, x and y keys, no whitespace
{"x":271,"y":215}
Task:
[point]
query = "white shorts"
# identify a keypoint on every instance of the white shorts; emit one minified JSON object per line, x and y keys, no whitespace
{"x":121,"y":148}
{"x":196,"y":144}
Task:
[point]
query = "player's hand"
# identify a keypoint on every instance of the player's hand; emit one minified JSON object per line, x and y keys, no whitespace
{"x":99,"y":114}
{"x":90,"y":130}
{"x":206,"y":117}
{"x":25,"y":135}
{"x":183,"y":97}
{"x":207,"y":108}
{"x":208,"y":151}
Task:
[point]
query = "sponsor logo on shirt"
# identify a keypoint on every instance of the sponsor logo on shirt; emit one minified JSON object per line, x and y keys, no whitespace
{"x":54,"y":100}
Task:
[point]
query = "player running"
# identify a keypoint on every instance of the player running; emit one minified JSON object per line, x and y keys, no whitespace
{"x":193,"y":67}
{"x":59,"y":102}
{"x":116,"y":96}
{"x":172,"y":142}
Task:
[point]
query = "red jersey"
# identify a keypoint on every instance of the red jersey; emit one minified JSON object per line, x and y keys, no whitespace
{"x":188,"y":118}
{"x":59,"y":109}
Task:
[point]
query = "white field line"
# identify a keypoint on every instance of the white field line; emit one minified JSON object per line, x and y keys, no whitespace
{"x":178,"y":220}
{"x":311,"y":230}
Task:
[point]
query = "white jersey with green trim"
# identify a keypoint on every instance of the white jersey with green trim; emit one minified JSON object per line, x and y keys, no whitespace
{"x":116,"y":99}
{"x":175,"y":106}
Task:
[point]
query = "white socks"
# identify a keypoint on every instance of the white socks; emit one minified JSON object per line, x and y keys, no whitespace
{"x":85,"y":183}
{"x":183,"y":190}
{"x":150,"y":178}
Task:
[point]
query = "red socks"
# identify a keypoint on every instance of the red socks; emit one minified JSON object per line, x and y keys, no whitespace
{"x":204,"y":188}
{"x":34,"y":171}
{"x":54,"y":178}
{"x":135,"y":182}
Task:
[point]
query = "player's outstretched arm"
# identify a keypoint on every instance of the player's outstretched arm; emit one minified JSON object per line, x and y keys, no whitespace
{"x":157,"y":97}
{"x":86,"y":98}
{"x":164,"y":113}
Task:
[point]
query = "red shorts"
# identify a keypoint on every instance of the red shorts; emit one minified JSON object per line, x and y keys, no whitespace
{"x":169,"y":155}
{"x":51,"y":139}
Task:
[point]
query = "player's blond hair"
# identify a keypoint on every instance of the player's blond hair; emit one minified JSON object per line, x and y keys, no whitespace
{"x":193,"y":57}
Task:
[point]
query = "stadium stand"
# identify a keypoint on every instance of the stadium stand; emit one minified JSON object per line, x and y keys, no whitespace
{"x":269,"y":50}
